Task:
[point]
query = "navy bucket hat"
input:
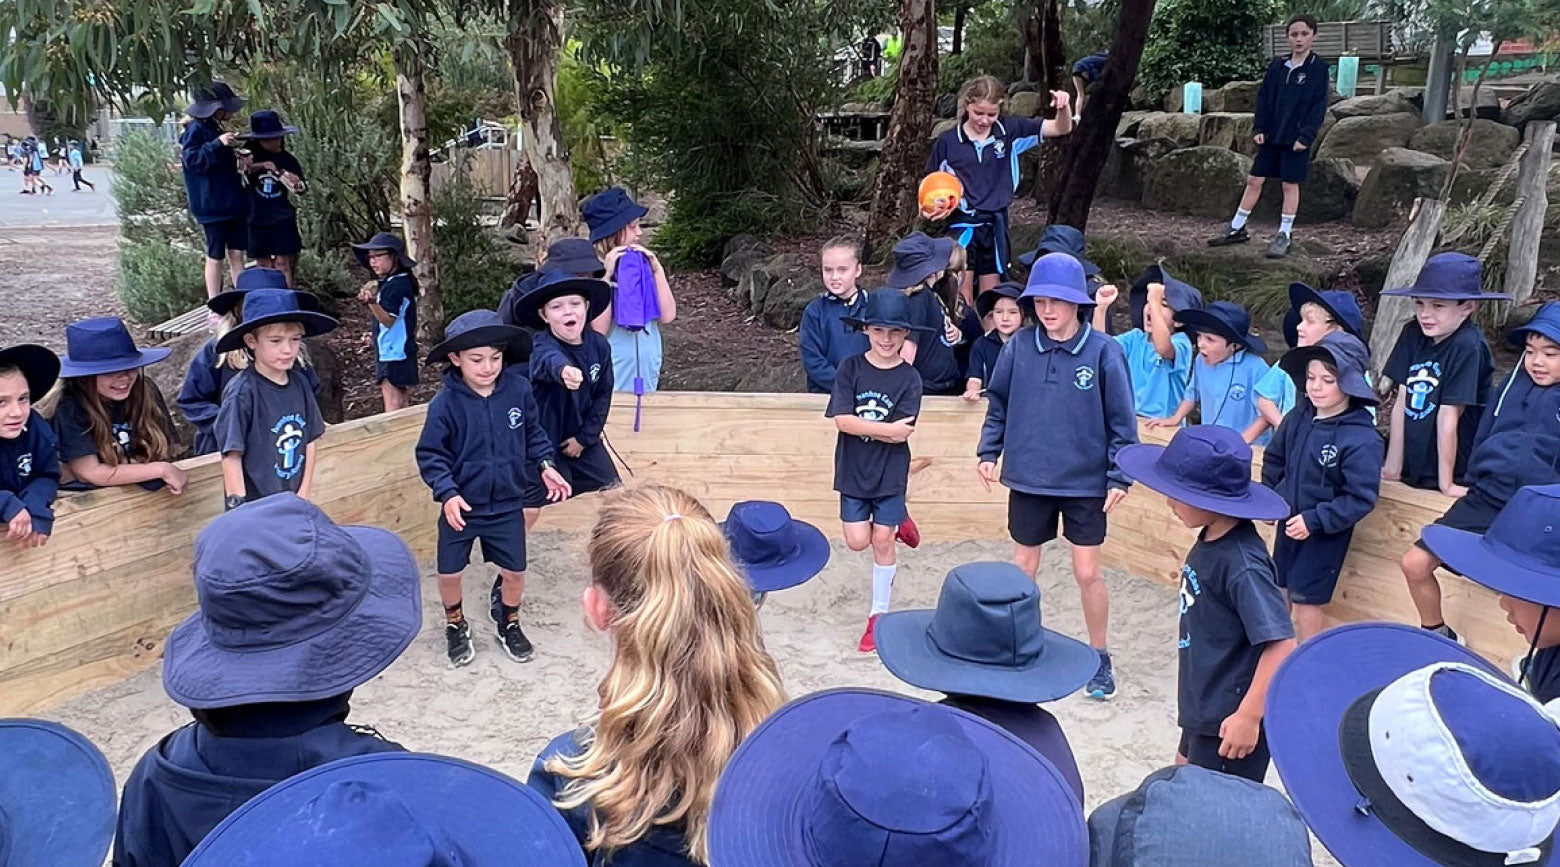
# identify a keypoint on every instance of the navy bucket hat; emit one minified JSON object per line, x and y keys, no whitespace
{"x":1340,"y":305}
{"x":1061,"y":239}
{"x":986,"y":301}
{"x":556,"y":284}
{"x":1226,"y":319}
{"x":918,"y":257}
{"x":39,"y":366}
{"x":886,"y":308}
{"x":250,"y":279}
{"x":985,"y":638}
{"x":1058,"y":276}
{"x":575,"y":256}
{"x":476,"y":328}
{"x":56,"y":796}
{"x":1208,"y":467}
{"x":104,"y":345}
{"x":1518,"y":556}
{"x":609,"y":212}
{"x":1179,"y":294}
{"x":865,"y":777}
{"x":292,"y":607}
{"x":267,"y":124}
{"x":217,"y":97}
{"x":270,"y":306}
{"x":1450,"y":277}
{"x":1341,"y":350}
{"x":384,"y":241}
{"x":774,"y":550}
{"x":393,"y":810}
{"x":1545,"y":322}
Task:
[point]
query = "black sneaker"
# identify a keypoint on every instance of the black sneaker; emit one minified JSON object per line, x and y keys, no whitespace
{"x":514,"y":642}
{"x":1280,"y":246}
{"x":1447,"y":632}
{"x":496,"y":600}
{"x":457,"y":643}
{"x":1102,"y":686}
{"x":1230,"y":238}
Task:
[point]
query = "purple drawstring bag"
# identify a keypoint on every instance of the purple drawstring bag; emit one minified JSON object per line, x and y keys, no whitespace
{"x":634,"y":302}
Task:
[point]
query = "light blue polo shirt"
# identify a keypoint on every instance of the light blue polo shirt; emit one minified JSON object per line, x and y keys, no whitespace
{"x":1158,"y":384}
{"x":1227,"y":392}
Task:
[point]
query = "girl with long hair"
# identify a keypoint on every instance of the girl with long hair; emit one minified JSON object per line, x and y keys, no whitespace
{"x":689,"y":679}
{"x":642,"y":299}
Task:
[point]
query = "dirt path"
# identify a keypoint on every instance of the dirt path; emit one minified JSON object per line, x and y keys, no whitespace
{"x":52,"y":277}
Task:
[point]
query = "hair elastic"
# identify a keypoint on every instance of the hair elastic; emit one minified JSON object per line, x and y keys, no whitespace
{"x":672,"y":517}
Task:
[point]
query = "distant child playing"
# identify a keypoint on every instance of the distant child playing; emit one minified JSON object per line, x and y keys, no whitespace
{"x":1001,"y":304}
{"x":273,"y":174}
{"x":29,"y":451}
{"x":642,"y":299}
{"x":1229,"y":365}
{"x":393,"y":304}
{"x":825,"y":339}
{"x":1159,"y":355}
{"x":76,"y":165}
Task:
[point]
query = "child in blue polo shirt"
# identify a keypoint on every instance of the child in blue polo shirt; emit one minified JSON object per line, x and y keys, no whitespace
{"x":1229,"y":365}
{"x":919,"y":262}
{"x":29,"y":451}
{"x":393,"y":304}
{"x":825,"y":338}
{"x":1311,"y":316}
{"x":1059,"y":408}
{"x":1001,"y":305}
{"x":1325,"y":462}
{"x":1159,"y":355}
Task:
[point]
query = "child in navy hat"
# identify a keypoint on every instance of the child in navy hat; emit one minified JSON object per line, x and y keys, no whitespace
{"x":56,"y":796}
{"x":212,"y":181}
{"x":29,"y":451}
{"x":775,"y":551}
{"x":1235,"y":629}
{"x":1059,"y":410}
{"x":274,"y":174}
{"x":642,"y":299}
{"x":1516,"y":444}
{"x":1325,"y":462}
{"x":1442,"y":368}
{"x":573,"y":256}
{"x":1229,"y":365}
{"x":392,"y":301}
{"x":1159,"y":355}
{"x":877,"y":396}
{"x":1001,"y":304}
{"x":824,"y":337}
{"x":269,"y":419}
{"x":1312,"y":315}
{"x":919,"y":262}
{"x":481,"y":440}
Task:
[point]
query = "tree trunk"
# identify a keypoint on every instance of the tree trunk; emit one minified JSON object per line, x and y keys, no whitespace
{"x":909,"y":128}
{"x":1392,"y":311}
{"x":1527,"y":227}
{"x":533,"y":43}
{"x":416,"y":173}
{"x":1096,"y":134}
{"x":1053,"y":52}
{"x":1056,"y":154}
{"x":1465,"y":135}
{"x":960,"y":12}
{"x":522,"y":192}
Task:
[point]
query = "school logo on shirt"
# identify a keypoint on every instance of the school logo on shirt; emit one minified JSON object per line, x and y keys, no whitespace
{"x":515,"y":417}
{"x":873,"y":406}
{"x":999,"y":146}
{"x":1237,"y":392}
{"x":1328,"y":457}
{"x":122,"y":437}
{"x":1083,"y":377}
{"x":289,"y":445}
{"x":1190,"y":590}
{"x":269,"y":186}
{"x":1300,"y":79}
{"x":24,"y":464}
{"x":595,"y":372}
{"x":1423,"y":379}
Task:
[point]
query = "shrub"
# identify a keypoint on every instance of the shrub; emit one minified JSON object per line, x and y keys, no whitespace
{"x":474,"y":271}
{"x":161,"y":263}
{"x":156,"y":283}
{"x":1213,"y":43}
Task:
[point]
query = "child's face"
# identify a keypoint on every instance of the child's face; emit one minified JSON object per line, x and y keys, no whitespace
{"x":630,"y":234}
{"x":886,"y":342}
{"x":116,"y":386}
{"x":15,"y":402}
{"x":382,"y":262}
{"x":565,"y":315}
{"x":981,"y":115}
{"x":276,"y":346}
{"x":1524,"y":616}
{"x":1214,"y":348}
{"x":1321,"y":386}
{"x":1055,"y":315}
{"x":480,"y":367}
{"x":1542,"y":360}
{"x":270,"y":144}
{"x":1006,"y":317}
{"x":1438,"y":319}
{"x":1314,"y":324}
{"x":1300,"y":37}
{"x":1191,"y":516}
{"x":840,"y":271}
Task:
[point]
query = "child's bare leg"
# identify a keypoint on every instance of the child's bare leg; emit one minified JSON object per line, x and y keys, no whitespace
{"x":235,"y":260}
{"x":1027,"y":558}
{"x":213,"y":277}
{"x":988,"y":281}
{"x":858,"y":535}
{"x":1253,"y":192}
{"x":265,"y":261}
{"x":1419,"y":570}
{"x":1309,"y":620}
{"x":883,"y":548}
{"x":450,"y":595}
{"x":1092,"y":591}
{"x":530,"y":518}
{"x":394,"y":395}
{"x":285,"y":265}
{"x":513,"y":587}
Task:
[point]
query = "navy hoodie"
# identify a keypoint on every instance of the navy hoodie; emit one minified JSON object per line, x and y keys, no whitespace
{"x":1328,"y":470}
{"x":579,"y":413}
{"x":481,"y":448}
{"x":1291,"y":103}
{"x":30,"y":474}
{"x":211,"y":179}
{"x":1058,"y":413}
{"x":826,"y":340}
{"x":1518,"y":442}
{"x":201,"y":394}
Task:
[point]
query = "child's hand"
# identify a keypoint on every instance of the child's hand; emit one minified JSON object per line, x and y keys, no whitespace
{"x":987,"y":470}
{"x":1113,"y":497}
{"x":572,"y":447}
{"x":1259,"y":138}
{"x":941,"y":213}
{"x":952,"y":332}
{"x":613,"y":255}
{"x":227,"y":139}
{"x":899,"y":431}
{"x":1159,"y":422}
{"x":1240,"y":735}
{"x":1391,"y":475}
{"x":1061,"y":100}
{"x":1456,"y":492}
{"x":457,"y":504}
{"x":572,"y":378}
{"x":1299,"y":147}
{"x":1296,"y":529}
{"x":367,"y":292}
{"x":1156,"y":293}
{"x":558,"y":489}
{"x":174,"y":478}
{"x":20,"y":528}
{"x":1106,"y":295}
{"x":973,"y":394}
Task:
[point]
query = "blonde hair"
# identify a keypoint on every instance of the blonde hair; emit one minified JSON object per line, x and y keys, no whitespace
{"x":236,"y":359}
{"x":982,"y":88}
{"x":842,"y":242}
{"x":689,"y":677}
{"x":607,"y":245}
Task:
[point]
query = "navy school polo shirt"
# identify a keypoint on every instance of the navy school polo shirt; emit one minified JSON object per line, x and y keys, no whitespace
{"x":988,"y":169}
{"x":866,"y":468}
{"x":983,"y":358}
{"x":271,"y":426}
{"x":1456,"y":372}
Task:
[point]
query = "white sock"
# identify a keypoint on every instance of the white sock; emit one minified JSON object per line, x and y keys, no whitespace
{"x":882,"y":586}
{"x":1286,"y":223}
{"x":1241,"y":216}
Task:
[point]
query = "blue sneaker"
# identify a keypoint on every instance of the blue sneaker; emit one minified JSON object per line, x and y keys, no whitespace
{"x":1102,"y":686}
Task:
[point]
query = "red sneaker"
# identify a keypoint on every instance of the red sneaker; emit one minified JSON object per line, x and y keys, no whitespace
{"x":868,"y":643}
{"x":908,"y":533}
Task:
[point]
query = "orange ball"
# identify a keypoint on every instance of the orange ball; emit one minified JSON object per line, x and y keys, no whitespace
{"x":938,"y":191}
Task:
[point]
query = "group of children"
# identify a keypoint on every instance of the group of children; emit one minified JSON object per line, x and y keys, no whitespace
{"x":32,"y":155}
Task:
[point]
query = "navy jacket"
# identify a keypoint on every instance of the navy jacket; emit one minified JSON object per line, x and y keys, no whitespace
{"x":481,"y":448}
{"x":1059,"y":413}
{"x":826,"y":340}
{"x":201,"y":394}
{"x":30,"y":474}
{"x":1518,"y":442}
{"x":1327,"y":470}
{"x":1292,"y":102}
{"x":211,"y":179}
{"x":579,"y":413}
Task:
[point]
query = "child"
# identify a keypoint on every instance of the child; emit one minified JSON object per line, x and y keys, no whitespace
{"x":986,"y":649}
{"x":1159,"y":355}
{"x":825,"y":338}
{"x":269,"y":420}
{"x":209,"y":372}
{"x":57,"y":797}
{"x":212,"y":181}
{"x":113,"y":426}
{"x":1442,"y":368}
{"x":1516,"y":445}
{"x":877,"y":396}
{"x":481,"y":438}
{"x":1001,"y":304}
{"x":295,"y":613}
{"x":572,"y":256}
{"x":393,"y":304}
{"x":982,"y":152}
{"x":1311,"y":316}
{"x":689,"y":679}
{"x":1086,"y":75}
{"x":273,"y":173}
{"x":1229,"y":365}
{"x":774,"y":550}
{"x":76,"y":164}
{"x":35,"y":159}
{"x":642,"y":298}
{"x":1059,"y":408}
{"x":1235,"y":630}
{"x":1324,"y":461}
{"x":29,"y":452}
{"x":919,"y":262}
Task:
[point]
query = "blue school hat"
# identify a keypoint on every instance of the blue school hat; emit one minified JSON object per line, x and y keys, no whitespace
{"x":1179,"y":294}
{"x":1450,"y":277}
{"x":1401,"y":747}
{"x":886,"y":308}
{"x":1061,"y":239}
{"x":56,"y":796}
{"x":393,"y":810}
{"x":1206,"y":466}
{"x":217,"y":97}
{"x":476,"y":328}
{"x":1226,"y":319}
{"x":1545,"y":322}
{"x":1343,"y":351}
{"x":774,"y":550}
{"x":104,"y":345}
{"x":384,"y":241}
{"x":609,"y":212}
{"x":266,"y":124}
{"x":575,"y":256}
{"x":1518,"y":556}
{"x":292,"y":607}
{"x":556,"y":284}
{"x":1058,"y":276}
{"x":986,"y":301}
{"x":854,"y":776}
{"x":985,"y":638}
{"x":250,"y":279}
{"x":39,"y":366}
{"x":918,"y":257}
{"x":1339,"y":304}
{"x":270,"y":306}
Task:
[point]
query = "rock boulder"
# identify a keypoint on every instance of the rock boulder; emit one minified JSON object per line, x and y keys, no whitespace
{"x":1179,"y":128}
{"x":778,"y":288}
{"x":1363,"y":138}
{"x":1328,"y":193}
{"x":1025,"y":104}
{"x":1239,"y":96}
{"x":1205,"y":181}
{"x":1127,"y":127}
{"x":1128,"y":163}
{"x":1224,"y":129}
{"x":1492,"y":143}
{"x":1399,"y":176}
{"x":1541,"y":102}
{"x":1391,"y":102}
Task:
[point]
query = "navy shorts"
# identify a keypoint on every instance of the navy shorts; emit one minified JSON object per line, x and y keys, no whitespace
{"x":985,"y":249}
{"x":1309,"y":570}
{"x":1203,"y":751}
{"x":1032,"y":519}
{"x":593,"y":470}
{"x":402,"y":374}
{"x":274,"y":239}
{"x":503,"y":542}
{"x":1474,"y":512}
{"x":882,"y":511}
{"x":225,"y":235}
{"x":1282,"y":162}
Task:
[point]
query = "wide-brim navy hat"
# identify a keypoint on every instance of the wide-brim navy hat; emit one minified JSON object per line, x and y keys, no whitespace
{"x":1449,"y":277}
{"x":292,"y":607}
{"x":1226,"y":319}
{"x":609,"y":212}
{"x":1061,"y":239}
{"x":56,"y":796}
{"x":39,"y":366}
{"x":986,"y":301}
{"x":249,"y":280}
{"x":477,"y":328}
{"x":1179,"y":294}
{"x":397,"y":810}
{"x":775,"y":550}
{"x":269,"y":306}
{"x":1339,"y":304}
{"x":556,"y":284}
{"x":575,"y":256}
{"x":1207,"y":467}
{"x":384,"y":241}
{"x":103,"y":345}
{"x":210,"y":100}
{"x":827,"y":774}
{"x":1545,"y":322}
{"x":918,"y":257}
{"x":267,"y":124}
{"x":1343,"y":351}
{"x":985,"y":638}
{"x":1059,"y":276}
{"x":885,"y":308}
{"x":1518,"y":556}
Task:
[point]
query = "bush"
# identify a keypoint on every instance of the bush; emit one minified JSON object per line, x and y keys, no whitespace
{"x":1214,"y":43}
{"x":474,"y":271}
{"x":156,"y":283}
{"x":161,"y":259}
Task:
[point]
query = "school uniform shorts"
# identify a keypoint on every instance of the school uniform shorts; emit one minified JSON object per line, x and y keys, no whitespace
{"x":274,"y":239}
{"x":1474,"y":512}
{"x":985,"y":242}
{"x":503,"y":542}
{"x":225,"y":235}
{"x":882,"y":511}
{"x":1033,"y":519}
{"x":593,"y":470}
{"x":1203,"y":751}
{"x":1309,"y":570}
{"x":1281,"y":161}
{"x":401,"y":374}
